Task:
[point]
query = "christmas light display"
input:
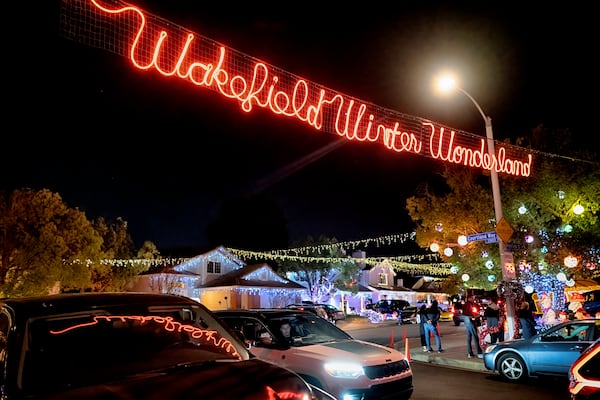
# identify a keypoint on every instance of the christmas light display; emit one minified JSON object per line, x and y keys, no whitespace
{"x":154,"y":45}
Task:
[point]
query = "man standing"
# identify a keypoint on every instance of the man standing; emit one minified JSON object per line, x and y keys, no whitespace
{"x":432,"y":316}
{"x":470,"y":317}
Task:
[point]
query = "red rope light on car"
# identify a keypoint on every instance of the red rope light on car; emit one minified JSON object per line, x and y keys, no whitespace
{"x":169,"y":325}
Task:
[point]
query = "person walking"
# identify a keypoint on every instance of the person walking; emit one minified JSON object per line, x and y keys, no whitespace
{"x":421,"y":317}
{"x":432,"y":317}
{"x":470,"y":318}
{"x":526,"y":321}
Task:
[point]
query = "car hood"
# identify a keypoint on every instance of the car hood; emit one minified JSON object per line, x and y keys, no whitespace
{"x":252,"y":379}
{"x":513,"y":344}
{"x":368,"y":353}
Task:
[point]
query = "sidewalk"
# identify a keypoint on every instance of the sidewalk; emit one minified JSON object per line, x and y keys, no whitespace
{"x":454,"y":355}
{"x":454,"y":345}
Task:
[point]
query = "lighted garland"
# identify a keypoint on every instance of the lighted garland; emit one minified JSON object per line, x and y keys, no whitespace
{"x":131,"y":262}
{"x":403,"y":263}
{"x":351,"y":245}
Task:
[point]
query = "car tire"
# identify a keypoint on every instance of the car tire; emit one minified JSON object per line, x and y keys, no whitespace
{"x":512,"y":368}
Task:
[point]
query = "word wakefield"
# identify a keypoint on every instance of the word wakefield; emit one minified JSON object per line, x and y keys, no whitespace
{"x":153,"y":44}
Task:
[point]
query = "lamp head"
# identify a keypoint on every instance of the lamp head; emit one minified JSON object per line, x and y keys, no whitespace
{"x":445,"y":83}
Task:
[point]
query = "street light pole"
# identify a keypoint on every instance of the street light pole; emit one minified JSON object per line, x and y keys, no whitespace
{"x":505,"y":255}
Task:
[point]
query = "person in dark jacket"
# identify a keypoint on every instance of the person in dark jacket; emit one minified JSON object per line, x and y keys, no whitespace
{"x":492,"y":318}
{"x":470,"y":318}
{"x":432,"y":317}
{"x":422,"y":318}
{"x":526,"y":320}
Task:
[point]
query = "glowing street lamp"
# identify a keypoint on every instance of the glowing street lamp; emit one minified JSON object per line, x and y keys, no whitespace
{"x":447,"y":83}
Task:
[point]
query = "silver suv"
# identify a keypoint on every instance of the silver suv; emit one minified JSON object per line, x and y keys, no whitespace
{"x":323,"y":354}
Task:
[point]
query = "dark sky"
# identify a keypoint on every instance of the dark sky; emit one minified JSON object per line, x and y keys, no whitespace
{"x":116,"y":142}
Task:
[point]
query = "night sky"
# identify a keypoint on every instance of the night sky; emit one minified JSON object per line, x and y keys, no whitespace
{"x":165,"y":156}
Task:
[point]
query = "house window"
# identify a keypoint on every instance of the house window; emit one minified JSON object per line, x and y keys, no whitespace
{"x":383,"y":279}
{"x":213,"y":267}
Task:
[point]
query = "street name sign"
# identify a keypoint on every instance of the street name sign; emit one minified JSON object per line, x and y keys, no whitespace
{"x":488,"y":237}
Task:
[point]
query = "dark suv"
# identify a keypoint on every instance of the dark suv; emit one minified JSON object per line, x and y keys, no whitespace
{"x":457,"y":313}
{"x":390,"y":306}
{"x":130,"y":346}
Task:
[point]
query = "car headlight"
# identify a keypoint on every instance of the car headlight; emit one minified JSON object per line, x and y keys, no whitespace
{"x":344,"y":370}
{"x":490,"y":348}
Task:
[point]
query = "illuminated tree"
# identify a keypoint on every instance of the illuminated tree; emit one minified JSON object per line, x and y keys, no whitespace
{"x":321,"y":278}
{"x":540,"y":209}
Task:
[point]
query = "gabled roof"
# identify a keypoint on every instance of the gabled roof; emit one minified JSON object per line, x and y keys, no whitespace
{"x":257,"y":275}
{"x":222,"y":251}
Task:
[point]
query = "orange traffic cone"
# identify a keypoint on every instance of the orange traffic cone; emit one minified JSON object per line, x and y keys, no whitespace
{"x":404,"y":334}
{"x":392,"y":339}
{"x":406,"y":350}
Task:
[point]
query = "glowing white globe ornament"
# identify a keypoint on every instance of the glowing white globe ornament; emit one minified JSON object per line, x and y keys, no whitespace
{"x":528,"y":289}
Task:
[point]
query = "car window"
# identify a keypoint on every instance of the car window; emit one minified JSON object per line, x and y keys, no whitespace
{"x":570,"y":332}
{"x":82,"y":349}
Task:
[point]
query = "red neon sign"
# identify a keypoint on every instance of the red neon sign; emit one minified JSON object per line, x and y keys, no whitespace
{"x":152,"y":44}
{"x":169,"y":325}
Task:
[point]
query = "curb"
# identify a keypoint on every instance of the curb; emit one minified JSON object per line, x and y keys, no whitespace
{"x":471,"y":365}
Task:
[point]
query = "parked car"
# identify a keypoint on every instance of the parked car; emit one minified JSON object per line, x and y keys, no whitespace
{"x":457,"y":312}
{"x":323,"y":354}
{"x":390,"y":306}
{"x":550,"y":352}
{"x":130,"y":346}
{"x":409,"y":315}
{"x":446,"y":313}
{"x":333,"y":313}
{"x":584,"y":374}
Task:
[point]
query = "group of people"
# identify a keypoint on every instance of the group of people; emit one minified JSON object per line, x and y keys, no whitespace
{"x":428,"y":318}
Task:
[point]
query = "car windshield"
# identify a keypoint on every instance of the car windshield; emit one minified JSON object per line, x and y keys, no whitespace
{"x":308,"y":329}
{"x":82,"y":349}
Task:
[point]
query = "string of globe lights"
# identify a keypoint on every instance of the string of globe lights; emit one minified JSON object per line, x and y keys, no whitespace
{"x":413,"y":264}
{"x":405,"y":263}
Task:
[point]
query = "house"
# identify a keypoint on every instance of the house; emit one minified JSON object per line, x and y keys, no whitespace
{"x":380,"y":282}
{"x":220,"y":280}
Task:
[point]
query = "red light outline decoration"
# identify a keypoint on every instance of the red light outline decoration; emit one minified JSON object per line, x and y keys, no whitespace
{"x":169,"y":325}
{"x":154,"y":44}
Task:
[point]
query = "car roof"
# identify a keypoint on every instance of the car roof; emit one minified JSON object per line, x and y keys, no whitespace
{"x":267,"y":313}
{"x":40,"y":306}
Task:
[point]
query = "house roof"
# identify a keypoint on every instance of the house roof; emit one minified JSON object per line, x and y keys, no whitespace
{"x":257,"y":275}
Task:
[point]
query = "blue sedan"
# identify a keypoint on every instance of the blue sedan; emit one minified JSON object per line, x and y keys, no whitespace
{"x":550,"y":352}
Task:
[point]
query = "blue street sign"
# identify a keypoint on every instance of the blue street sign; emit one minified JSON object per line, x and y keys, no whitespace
{"x":488,"y":237}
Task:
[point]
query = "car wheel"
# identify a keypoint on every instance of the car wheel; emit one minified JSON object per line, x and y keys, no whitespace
{"x":512,"y":368}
